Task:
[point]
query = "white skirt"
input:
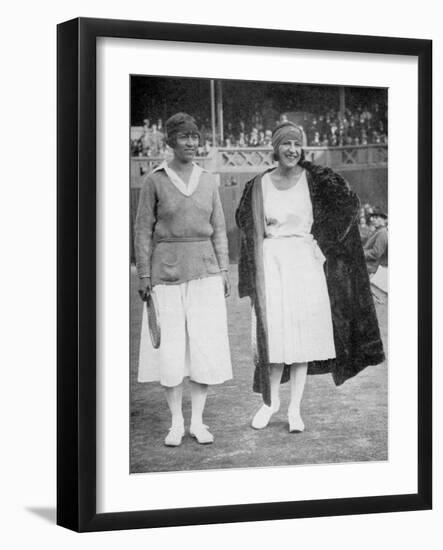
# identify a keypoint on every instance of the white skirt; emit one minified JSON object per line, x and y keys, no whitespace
{"x":380,"y":278}
{"x":194,"y":335}
{"x":298,"y":310}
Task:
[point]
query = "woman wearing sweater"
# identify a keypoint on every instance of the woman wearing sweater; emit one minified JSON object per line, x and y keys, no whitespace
{"x":182,"y":259}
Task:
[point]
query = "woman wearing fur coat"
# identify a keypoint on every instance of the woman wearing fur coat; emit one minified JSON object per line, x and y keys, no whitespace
{"x":302,"y":265}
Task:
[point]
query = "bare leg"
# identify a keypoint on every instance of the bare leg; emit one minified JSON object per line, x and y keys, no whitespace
{"x":174,"y":398}
{"x":263,"y":415}
{"x":198,"y":400}
{"x":297,"y":384}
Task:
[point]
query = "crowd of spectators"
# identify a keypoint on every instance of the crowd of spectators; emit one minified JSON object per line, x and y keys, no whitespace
{"x":152,"y":141}
{"x":362,"y":126}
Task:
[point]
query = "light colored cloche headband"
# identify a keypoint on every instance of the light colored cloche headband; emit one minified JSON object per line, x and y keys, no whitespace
{"x":287,"y":130}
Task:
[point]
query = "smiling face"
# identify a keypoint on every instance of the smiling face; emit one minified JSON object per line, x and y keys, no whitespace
{"x":289,"y":153}
{"x":185,"y":146}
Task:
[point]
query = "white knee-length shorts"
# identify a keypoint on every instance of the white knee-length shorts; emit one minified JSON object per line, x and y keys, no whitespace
{"x":194,"y":335}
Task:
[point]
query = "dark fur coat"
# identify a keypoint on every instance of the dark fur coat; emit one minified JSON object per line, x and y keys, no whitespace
{"x":356,"y":332}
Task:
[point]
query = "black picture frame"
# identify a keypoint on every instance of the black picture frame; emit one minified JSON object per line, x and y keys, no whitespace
{"x":76,"y":279}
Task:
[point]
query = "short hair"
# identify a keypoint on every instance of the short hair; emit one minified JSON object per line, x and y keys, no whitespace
{"x":174,"y":124}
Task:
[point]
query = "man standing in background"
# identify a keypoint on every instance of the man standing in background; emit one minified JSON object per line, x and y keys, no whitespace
{"x":376,"y":247}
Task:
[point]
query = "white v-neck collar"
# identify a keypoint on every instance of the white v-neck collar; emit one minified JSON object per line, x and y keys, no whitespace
{"x":194,"y":179}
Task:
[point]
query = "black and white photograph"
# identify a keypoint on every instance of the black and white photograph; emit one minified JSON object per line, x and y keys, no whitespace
{"x":221,"y":267}
{"x":258,"y":274}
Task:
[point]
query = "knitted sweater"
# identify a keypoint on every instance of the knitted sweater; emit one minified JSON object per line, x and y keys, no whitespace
{"x":179,"y":237}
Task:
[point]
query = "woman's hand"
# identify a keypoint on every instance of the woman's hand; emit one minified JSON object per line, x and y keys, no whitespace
{"x":226,"y":283}
{"x":144,"y":287}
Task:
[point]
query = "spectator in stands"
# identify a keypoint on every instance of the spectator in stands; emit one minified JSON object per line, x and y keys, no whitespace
{"x":137,"y":148}
{"x":182,"y":262}
{"x":208,"y":146}
{"x":253,"y":139}
{"x":333,"y":129}
{"x":292,"y":219}
{"x":155,"y":141}
{"x":367,"y":208}
{"x":363,"y":138}
{"x":316,"y":140}
{"x":321,"y":125}
{"x":324,"y":142}
{"x":376,"y":247}
{"x":268,"y":138}
{"x":242,"y":140}
{"x":352,"y":130}
{"x":261,"y":138}
{"x":312,"y":131}
{"x":145,"y":139}
{"x":364,"y":229}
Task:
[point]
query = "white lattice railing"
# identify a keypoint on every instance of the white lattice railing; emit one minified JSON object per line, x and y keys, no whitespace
{"x":143,"y":165}
{"x":348,"y":157}
{"x":244,"y":159}
{"x":257,"y":159}
{"x":253,"y":159}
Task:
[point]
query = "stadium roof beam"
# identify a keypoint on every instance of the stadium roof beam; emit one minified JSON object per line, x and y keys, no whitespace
{"x":342,"y":101}
{"x":220,"y":112}
{"x":212,"y":86}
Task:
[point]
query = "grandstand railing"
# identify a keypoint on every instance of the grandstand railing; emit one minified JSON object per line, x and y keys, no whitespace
{"x":253,"y":159}
{"x":256,"y":159}
{"x":143,"y":165}
{"x":349,"y":157}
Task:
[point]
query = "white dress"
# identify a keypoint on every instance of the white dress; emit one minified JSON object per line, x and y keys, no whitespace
{"x":194,"y":328}
{"x":298,"y":310}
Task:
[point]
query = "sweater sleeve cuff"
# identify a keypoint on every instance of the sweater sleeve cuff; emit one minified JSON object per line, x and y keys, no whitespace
{"x":143,"y":272}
